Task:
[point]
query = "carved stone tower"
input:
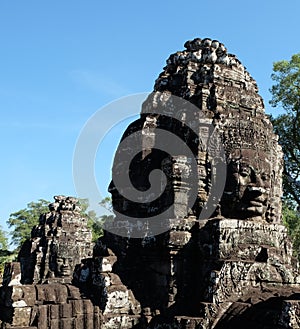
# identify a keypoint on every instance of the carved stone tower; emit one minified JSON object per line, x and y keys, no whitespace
{"x":198,"y":240}
{"x":223,"y":257}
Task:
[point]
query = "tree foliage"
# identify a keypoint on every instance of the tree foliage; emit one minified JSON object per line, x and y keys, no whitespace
{"x":291,"y":219}
{"x":5,"y":254}
{"x":286,"y":94}
{"x":3,"y":240}
{"x":23,"y":220}
{"x":95,"y":223}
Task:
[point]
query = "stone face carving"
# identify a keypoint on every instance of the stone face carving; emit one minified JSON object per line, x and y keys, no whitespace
{"x":225,"y":97}
{"x":231,"y":269}
{"x":57,"y":244}
{"x":249,"y":177}
{"x":222,"y":270}
{"x":61,"y":281}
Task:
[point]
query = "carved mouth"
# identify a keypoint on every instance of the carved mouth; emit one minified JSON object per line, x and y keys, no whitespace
{"x":254,"y":206}
{"x":257,"y":203}
{"x":255,"y":198}
{"x":65,"y":270}
{"x":261,"y":190}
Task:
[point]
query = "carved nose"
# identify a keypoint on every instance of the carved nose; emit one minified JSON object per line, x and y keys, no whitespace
{"x":257,"y":181}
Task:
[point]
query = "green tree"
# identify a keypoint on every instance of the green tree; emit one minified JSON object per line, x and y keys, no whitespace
{"x":3,"y":240}
{"x":95,"y":223}
{"x":106,"y":203}
{"x":23,"y":221}
{"x":5,"y":254}
{"x":291,"y":220}
{"x":286,"y":95}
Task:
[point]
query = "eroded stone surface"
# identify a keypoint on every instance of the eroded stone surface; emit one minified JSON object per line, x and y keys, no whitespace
{"x":61,"y":281}
{"x":232,"y":268}
{"x":237,"y":260}
{"x":225,"y":97}
{"x":58,"y":243}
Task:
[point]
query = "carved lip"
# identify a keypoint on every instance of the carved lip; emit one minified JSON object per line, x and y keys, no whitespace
{"x":257,"y":189}
{"x":254,"y":199}
{"x":257,"y":203}
{"x":65,"y":270}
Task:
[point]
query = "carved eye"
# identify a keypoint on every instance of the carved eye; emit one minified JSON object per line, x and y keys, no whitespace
{"x":265,"y":177}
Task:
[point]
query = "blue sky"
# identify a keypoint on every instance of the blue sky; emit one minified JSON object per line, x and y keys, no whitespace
{"x":61,"y":61}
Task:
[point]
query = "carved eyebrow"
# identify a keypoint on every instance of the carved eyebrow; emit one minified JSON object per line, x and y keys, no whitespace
{"x":245,"y":164}
{"x":248,"y":169}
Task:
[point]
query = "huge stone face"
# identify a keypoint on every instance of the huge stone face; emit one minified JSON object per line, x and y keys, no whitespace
{"x":224,"y":256}
{"x":205,"y":97}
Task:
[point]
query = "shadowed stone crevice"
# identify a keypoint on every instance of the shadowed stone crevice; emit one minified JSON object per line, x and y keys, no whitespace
{"x":262,"y":256}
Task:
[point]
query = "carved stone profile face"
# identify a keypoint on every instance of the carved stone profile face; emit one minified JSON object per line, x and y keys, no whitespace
{"x":248,"y":184}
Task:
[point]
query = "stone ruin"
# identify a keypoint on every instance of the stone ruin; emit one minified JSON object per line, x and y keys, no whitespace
{"x":225,"y":260}
{"x":62,"y":279}
{"x":218,"y":256}
{"x":51,"y":252}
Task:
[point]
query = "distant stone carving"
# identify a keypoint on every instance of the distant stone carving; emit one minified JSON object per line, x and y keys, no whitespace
{"x":62,"y":281}
{"x":58,"y":243}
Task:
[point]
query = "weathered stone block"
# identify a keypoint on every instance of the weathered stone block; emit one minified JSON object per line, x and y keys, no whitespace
{"x":114,"y":322}
{"x":67,"y":323}
{"x":43,"y":317}
{"x":65,"y":310}
{"x":107,"y":263}
{"x":19,"y":303}
{"x":54,"y":324}
{"x":73,"y":292}
{"x":17,"y":293}
{"x":79,"y":322}
{"x":117,"y":297}
{"x":179,"y":238}
{"x":77,"y":307}
{"x":29,"y":294}
{"x":22,"y":317}
{"x":88,"y":321}
{"x":88,"y":306}
{"x":54,"y":311}
{"x":97,"y":324}
{"x":61,"y":293}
